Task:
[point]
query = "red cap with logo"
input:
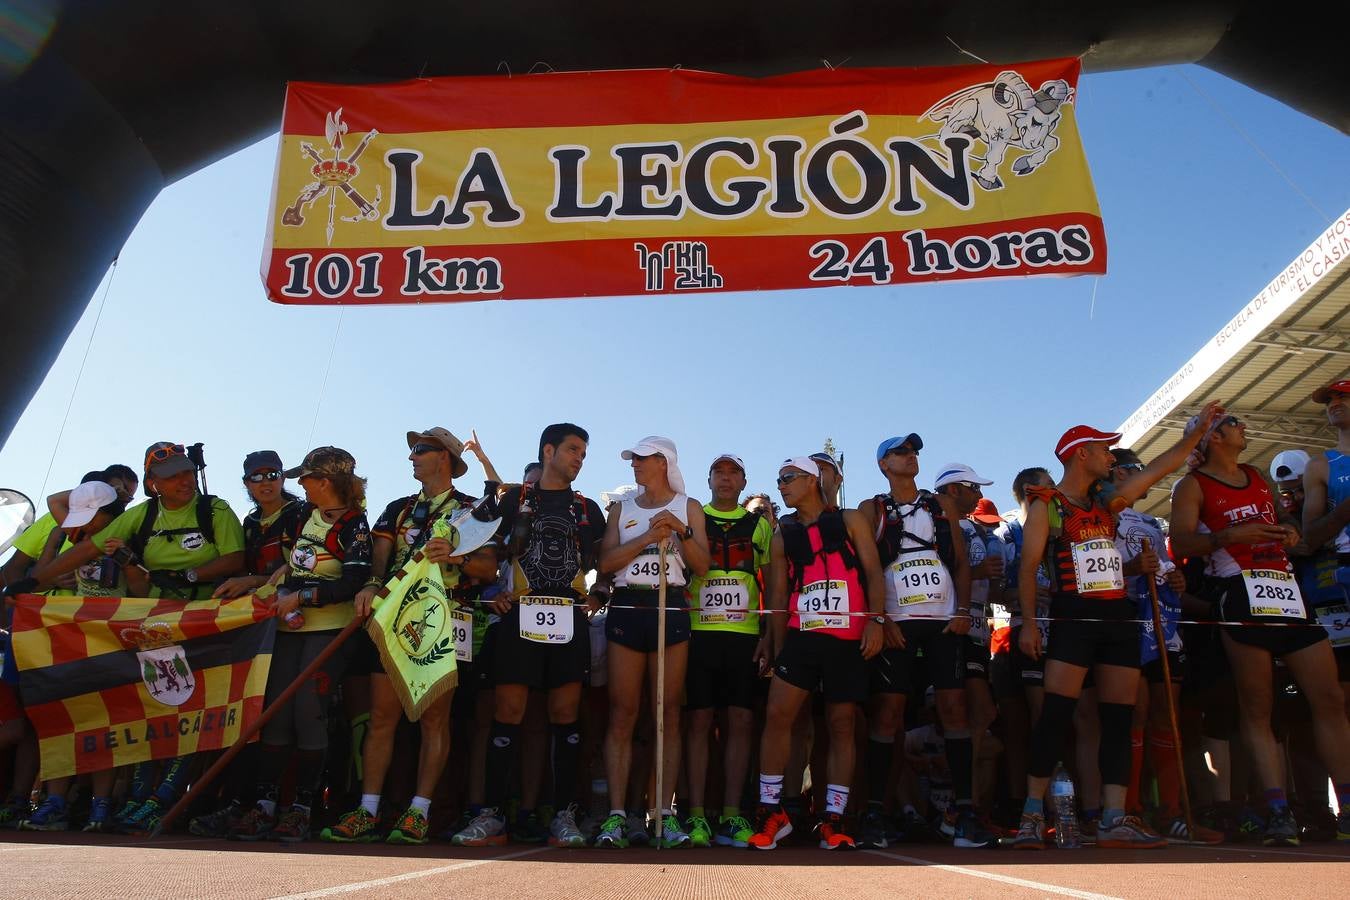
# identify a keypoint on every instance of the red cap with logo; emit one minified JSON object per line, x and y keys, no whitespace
{"x":1082,"y":434}
{"x":986,"y":513}
{"x":1323,"y":394}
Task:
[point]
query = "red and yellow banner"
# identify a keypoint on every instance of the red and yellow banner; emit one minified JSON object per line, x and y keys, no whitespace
{"x":643,"y":182}
{"x":108,"y":681}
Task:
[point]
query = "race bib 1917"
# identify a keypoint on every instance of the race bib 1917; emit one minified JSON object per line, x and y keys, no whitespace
{"x":818,"y":600}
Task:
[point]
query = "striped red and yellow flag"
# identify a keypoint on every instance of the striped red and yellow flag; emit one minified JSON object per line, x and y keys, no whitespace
{"x":108,"y":681}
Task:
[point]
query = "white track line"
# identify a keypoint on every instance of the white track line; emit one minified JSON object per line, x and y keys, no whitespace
{"x":407,"y":876}
{"x":1282,"y":851}
{"x":994,"y":876}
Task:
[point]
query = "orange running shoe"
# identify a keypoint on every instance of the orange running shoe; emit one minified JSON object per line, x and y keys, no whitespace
{"x":832,"y":836}
{"x":771,"y":826}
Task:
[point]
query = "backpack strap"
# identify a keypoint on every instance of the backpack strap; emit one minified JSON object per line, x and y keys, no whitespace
{"x":206,"y":520}
{"x":141,"y":538}
{"x":797,"y":549}
{"x":332,"y":541}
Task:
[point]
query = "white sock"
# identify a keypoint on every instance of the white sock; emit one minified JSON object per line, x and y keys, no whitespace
{"x":371,"y":803}
{"x":422,"y":804}
{"x":770,"y":789}
{"x":836,"y":798}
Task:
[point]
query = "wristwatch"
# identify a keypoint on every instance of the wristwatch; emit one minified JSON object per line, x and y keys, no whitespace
{"x":307,"y":596}
{"x":688,"y":532}
{"x":880,"y":620}
{"x":191,"y":576}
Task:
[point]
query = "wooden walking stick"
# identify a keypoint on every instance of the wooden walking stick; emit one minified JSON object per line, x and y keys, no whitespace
{"x":1161,"y":641}
{"x":660,"y":710}
{"x":200,"y":784}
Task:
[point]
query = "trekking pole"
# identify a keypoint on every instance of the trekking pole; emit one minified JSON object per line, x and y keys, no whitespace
{"x":264,"y":717}
{"x":1161,"y":642}
{"x":660,"y":689}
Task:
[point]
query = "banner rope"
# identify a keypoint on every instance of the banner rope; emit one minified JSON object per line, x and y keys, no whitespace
{"x":332,"y":351}
{"x":79,"y":376}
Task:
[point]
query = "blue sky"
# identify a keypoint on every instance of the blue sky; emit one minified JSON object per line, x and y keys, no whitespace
{"x":989,"y":373}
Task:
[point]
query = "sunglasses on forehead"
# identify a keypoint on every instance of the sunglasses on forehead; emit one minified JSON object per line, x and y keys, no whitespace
{"x":260,"y":477}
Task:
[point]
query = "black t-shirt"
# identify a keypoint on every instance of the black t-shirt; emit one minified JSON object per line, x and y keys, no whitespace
{"x":398,"y":523}
{"x":552,"y":563}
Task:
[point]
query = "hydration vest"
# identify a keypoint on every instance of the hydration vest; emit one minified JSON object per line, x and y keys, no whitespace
{"x":833,"y":539}
{"x":891,"y":534}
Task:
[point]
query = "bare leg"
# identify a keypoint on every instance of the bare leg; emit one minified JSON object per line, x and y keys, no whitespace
{"x":626,"y":670}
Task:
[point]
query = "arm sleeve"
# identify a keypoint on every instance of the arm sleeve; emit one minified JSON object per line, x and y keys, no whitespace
{"x":355,"y":541}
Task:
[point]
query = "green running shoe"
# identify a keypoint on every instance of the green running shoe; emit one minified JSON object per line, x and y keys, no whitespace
{"x":700,"y":832}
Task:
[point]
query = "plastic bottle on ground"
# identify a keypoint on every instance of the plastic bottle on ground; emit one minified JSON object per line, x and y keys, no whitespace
{"x":1067,"y":836}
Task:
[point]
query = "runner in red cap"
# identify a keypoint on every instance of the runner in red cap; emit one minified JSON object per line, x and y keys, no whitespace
{"x":1071,"y":530}
{"x":1225,"y":510}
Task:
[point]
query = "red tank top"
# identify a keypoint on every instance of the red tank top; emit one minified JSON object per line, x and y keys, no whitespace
{"x":830,"y":591}
{"x":1081,"y":554}
{"x":1223,"y":506}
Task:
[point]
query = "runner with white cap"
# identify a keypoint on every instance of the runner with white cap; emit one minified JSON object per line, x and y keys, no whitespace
{"x":726,"y":652}
{"x":637,"y":536}
{"x":1070,"y":528}
{"x":1224,"y":510}
{"x":823,"y":572}
{"x":927,"y":587}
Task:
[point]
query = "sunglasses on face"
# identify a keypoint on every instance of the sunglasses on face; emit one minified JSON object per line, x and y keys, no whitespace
{"x":260,"y":477}
{"x":419,"y":449}
{"x":1229,"y":420}
{"x":970,"y":486}
{"x":1130,"y":467}
{"x":902,"y":451}
{"x":791,"y":477}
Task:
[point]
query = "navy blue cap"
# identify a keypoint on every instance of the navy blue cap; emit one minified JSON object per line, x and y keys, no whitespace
{"x":262,"y":459}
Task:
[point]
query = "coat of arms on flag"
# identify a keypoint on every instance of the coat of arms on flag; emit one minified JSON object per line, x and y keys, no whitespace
{"x":108,"y":681}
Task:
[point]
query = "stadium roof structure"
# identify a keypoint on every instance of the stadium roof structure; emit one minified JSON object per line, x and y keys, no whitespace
{"x":1287,"y":341}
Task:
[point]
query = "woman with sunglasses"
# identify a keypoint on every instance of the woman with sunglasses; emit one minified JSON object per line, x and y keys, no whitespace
{"x":661,"y":516}
{"x":269,"y":528}
{"x":328,"y":564}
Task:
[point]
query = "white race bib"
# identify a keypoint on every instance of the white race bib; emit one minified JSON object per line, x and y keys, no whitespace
{"x":1097,"y":566}
{"x":979,"y":612}
{"x":918,"y":578}
{"x":1271,"y":592}
{"x":645,"y":569}
{"x":817,"y":600}
{"x":461,"y":628}
{"x":546,"y":620}
{"x":723,"y":601}
{"x":1336,"y":620}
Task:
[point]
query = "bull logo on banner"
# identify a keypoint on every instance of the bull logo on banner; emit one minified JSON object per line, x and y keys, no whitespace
{"x":1004,"y":114}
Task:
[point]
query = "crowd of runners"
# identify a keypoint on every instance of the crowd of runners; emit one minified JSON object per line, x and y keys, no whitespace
{"x":917,"y":668}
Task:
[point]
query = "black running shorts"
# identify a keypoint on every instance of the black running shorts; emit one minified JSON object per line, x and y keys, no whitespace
{"x":832,"y":665}
{"x":518,"y":660}
{"x":721,"y":670}
{"x":631,"y":620}
{"x":892,"y":671}
{"x":1080,"y":638}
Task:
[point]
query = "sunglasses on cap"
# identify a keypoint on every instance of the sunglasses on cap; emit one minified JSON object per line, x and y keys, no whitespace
{"x":260,"y":477}
{"x":419,"y":449}
{"x":159,"y":454}
{"x":791,"y":477}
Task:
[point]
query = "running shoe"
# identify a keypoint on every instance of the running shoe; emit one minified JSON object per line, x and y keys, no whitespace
{"x":1129,"y":833}
{"x":772,"y":826}
{"x":455,"y":827}
{"x":126,"y":812}
{"x":1343,"y":825}
{"x":1087,"y":830}
{"x":734,"y":831}
{"x":832,"y":834}
{"x":1317,"y":824}
{"x":100,"y":815}
{"x":1177,"y":832}
{"x":613,"y":832}
{"x":1030,"y":833}
{"x":255,"y":825}
{"x":218,"y":823}
{"x":872,"y":831}
{"x":915,"y":827}
{"x":1250,"y":825}
{"x":488,"y":829}
{"x":293,"y":826}
{"x":145,"y":819}
{"x":563,"y":830}
{"x":1281,"y":829}
{"x":638,"y":836}
{"x":14,"y":812}
{"x":355,"y":827}
{"x":51,"y":815}
{"x":529,"y":829}
{"x":411,"y":828}
{"x":672,"y":833}
{"x":970,"y":834}
{"x":700,"y":832}
{"x":947,"y":824}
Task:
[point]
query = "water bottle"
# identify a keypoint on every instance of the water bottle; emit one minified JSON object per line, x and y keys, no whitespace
{"x":1066,"y":811}
{"x":993,"y":549}
{"x":294,"y":620}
